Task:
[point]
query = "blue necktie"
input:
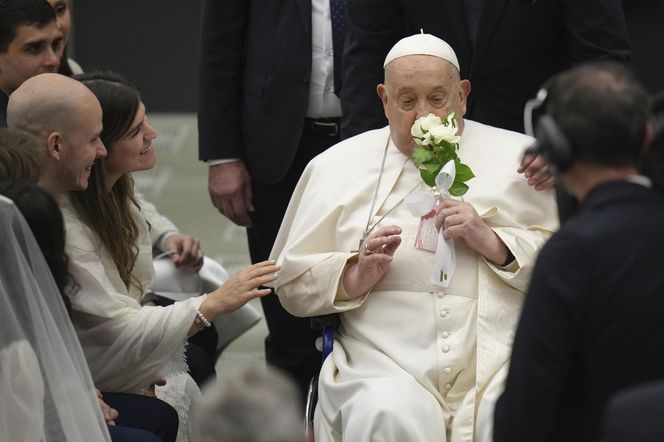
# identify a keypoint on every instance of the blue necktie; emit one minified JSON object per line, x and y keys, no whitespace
{"x":473,"y":10}
{"x":337,"y":13}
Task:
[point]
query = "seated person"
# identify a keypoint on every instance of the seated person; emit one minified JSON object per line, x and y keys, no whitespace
{"x":128,"y":348}
{"x":21,"y":156}
{"x":141,"y":418}
{"x":634,"y":414}
{"x":45,"y":384}
{"x":413,"y":360}
{"x":652,"y":163}
{"x":592,"y":320}
{"x":249,"y":404}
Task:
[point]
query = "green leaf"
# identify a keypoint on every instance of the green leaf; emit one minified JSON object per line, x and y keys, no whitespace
{"x":433,"y":167}
{"x":463,"y":172}
{"x":458,"y":188}
{"x":421,"y":155}
{"x":428,"y":177}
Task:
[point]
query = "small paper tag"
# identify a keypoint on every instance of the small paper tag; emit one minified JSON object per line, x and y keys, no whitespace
{"x":427,"y":235}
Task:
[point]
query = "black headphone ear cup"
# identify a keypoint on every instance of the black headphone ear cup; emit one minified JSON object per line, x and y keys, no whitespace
{"x":553,"y":144}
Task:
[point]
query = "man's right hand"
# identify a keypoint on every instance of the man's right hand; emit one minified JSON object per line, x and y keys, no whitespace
{"x":374,"y":258}
{"x":229,"y":186}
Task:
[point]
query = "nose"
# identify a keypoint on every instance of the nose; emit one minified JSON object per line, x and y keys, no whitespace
{"x":424,"y":109}
{"x":101,"y":150}
{"x":52,"y":60}
{"x":150,"y":132}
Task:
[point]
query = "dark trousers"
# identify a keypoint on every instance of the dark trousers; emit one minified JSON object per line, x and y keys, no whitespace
{"x":145,"y":413}
{"x":290,"y":345}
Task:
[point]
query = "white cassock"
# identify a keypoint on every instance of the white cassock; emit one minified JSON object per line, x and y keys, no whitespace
{"x":411,"y":360}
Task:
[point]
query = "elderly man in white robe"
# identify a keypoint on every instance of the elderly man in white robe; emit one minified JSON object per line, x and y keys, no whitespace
{"x":412,"y":360}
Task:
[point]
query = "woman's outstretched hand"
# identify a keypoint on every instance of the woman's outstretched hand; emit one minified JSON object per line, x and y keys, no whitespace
{"x":240,"y":289}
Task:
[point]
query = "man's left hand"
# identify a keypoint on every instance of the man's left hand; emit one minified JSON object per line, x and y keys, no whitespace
{"x":536,"y":171}
{"x":188,"y":254}
{"x":460,"y":220}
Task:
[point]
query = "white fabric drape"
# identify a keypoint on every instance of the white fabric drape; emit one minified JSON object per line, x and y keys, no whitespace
{"x":46,"y":392}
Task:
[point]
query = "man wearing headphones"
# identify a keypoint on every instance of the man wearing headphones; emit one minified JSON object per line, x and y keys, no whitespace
{"x":592,"y":319}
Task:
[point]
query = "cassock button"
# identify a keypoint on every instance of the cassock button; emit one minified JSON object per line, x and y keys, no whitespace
{"x":443,"y":313}
{"x":445,"y":334}
{"x":448,"y":370}
{"x":446,"y":348}
{"x":441,"y":294}
{"x":448,"y":386}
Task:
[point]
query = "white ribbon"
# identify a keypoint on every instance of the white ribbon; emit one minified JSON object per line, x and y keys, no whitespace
{"x":420,"y":204}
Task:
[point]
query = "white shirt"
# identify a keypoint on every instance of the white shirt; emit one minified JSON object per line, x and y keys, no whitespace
{"x":322,"y":101}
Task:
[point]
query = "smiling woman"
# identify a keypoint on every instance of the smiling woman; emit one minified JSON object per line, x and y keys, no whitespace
{"x":129,"y":347}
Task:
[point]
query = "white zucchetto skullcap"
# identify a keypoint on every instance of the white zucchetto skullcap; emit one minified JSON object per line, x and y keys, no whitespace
{"x":422,"y":44}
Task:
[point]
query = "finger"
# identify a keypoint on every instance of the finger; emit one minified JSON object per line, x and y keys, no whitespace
{"x":268,"y":262}
{"x":241,"y":211}
{"x":262,"y":271}
{"x":448,"y":203}
{"x":373,"y":260}
{"x":188,"y":251}
{"x":539,"y":176}
{"x":258,"y":293}
{"x":453,"y":220}
{"x":376,"y":245}
{"x":228,"y":211}
{"x":537,"y":165}
{"x":386,"y":231}
{"x":248,"y":195}
{"x":525,"y":162}
{"x":546,"y":184}
{"x":392,"y":247}
{"x":257,"y":282}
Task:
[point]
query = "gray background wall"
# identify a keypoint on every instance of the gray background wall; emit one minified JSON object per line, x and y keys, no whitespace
{"x":153,"y":42}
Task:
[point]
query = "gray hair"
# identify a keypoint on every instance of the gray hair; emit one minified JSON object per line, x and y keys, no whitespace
{"x":249,"y":404}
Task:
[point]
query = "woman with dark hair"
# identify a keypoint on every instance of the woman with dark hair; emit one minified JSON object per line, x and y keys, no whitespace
{"x":131,"y":348}
{"x":43,"y":216}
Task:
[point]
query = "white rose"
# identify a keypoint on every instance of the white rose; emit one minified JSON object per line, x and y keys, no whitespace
{"x":442,"y":132}
{"x":423,"y":124}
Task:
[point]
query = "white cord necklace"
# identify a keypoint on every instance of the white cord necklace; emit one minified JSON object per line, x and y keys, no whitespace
{"x":369,"y":228}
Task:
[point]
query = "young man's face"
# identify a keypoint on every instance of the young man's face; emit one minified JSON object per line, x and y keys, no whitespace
{"x":33,"y":51}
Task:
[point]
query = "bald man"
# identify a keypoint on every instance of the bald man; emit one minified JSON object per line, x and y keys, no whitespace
{"x":67,"y":119}
{"x":412,"y":360}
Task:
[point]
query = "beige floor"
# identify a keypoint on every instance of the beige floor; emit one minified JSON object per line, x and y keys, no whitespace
{"x":177,"y":185}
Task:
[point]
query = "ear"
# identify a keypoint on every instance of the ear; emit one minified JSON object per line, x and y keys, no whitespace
{"x":382,"y":93}
{"x":647,"y":138}
{"x":55,"y":146}
{"x":464,"y":91}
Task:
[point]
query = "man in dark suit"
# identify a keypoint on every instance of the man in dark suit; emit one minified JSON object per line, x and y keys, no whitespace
{"x":592,"y":318}
{"x":506,"y":48}
{"x":644,"y":23}
{"x":268,"y":105}
{"x":635,"y":414}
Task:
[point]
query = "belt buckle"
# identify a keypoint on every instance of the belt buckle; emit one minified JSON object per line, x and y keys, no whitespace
{"x":325,"y":124}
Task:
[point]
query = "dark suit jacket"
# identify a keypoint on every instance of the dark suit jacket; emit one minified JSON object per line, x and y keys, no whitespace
{"x":635,"y":414}
{"x":592,"y":321}
{"x":644,"y":23}
{"x":520,"y":44}
{"x":254,"y":82}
